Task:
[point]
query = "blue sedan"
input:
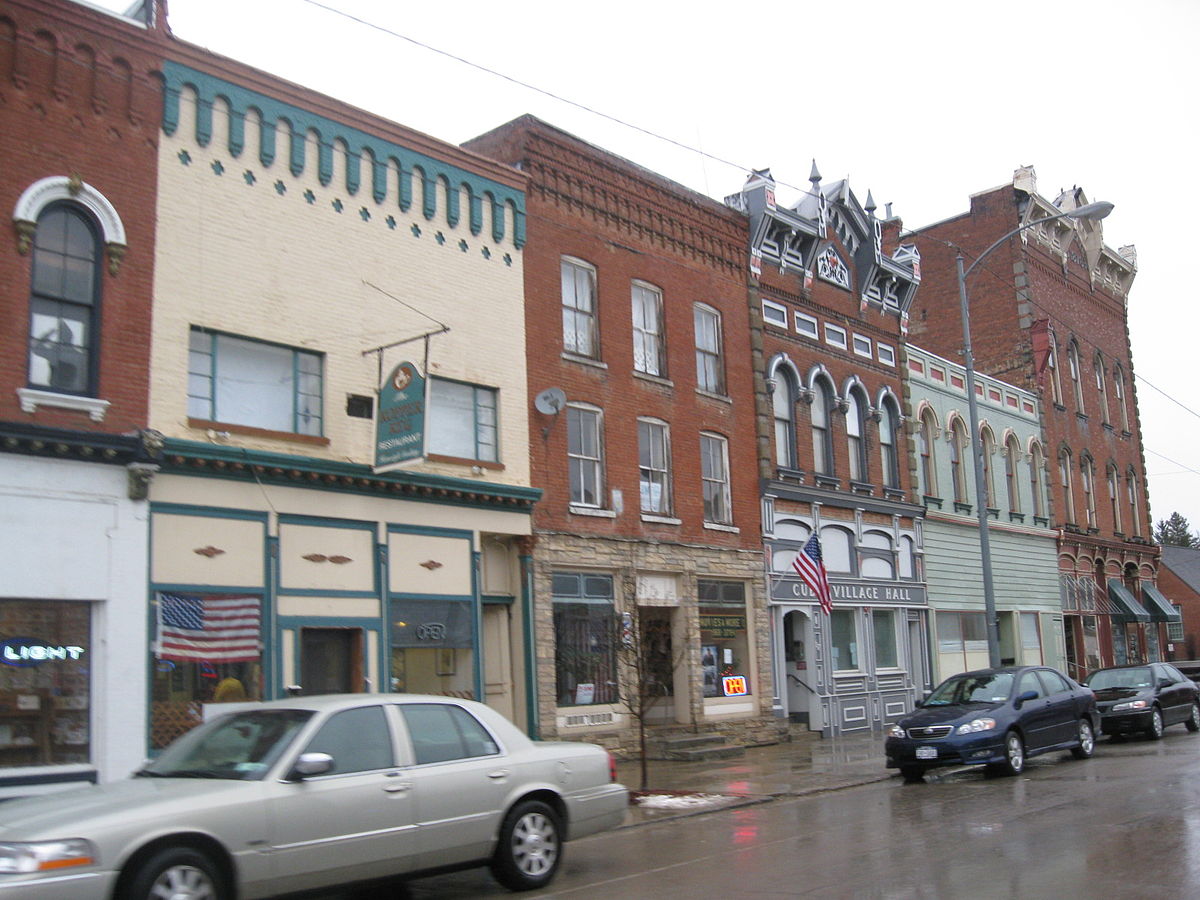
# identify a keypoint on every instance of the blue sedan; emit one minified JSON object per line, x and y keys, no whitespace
{"x":996,"y":718}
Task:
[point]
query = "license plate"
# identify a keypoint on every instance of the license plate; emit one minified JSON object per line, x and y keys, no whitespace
{"x":927,"y":753}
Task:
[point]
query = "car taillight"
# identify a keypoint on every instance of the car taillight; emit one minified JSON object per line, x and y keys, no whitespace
{"x":612,"y":768}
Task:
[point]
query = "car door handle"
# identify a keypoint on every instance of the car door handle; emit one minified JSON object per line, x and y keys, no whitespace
{"x":498,"y":774}
{"x":397,"y":787}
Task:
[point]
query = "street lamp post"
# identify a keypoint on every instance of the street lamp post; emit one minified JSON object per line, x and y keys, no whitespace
{"x":1092,"y":211}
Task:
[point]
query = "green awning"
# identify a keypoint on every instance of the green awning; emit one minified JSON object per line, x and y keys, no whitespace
{"x":1159,"y":606}
{"x":1131,"y":610}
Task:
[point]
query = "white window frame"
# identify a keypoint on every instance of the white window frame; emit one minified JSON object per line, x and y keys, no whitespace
{"x":714,"y":477}
{"x":862,"y":345}
{"x":835,"y":336}
{"x":573,"y":314}
{"x":590,"y":466}
{"x":710,"y":354}
{"x":807,"y":326}
{"x":654,"y":469}
{"x":484,"y":403}
{"x":885,"y":353}
{"x":775,"y":314}
{"x":649,"y":337}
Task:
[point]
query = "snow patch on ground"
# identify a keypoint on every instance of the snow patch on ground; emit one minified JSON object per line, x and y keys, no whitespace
{"x":679,"y":801}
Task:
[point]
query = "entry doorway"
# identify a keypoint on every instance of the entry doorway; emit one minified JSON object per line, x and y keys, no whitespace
{"x":331,"y":661}
{"x":797,"y":635}
{"x":497,"y":660}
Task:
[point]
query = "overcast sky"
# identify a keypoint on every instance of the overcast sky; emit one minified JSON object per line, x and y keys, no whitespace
{"x":922,"y":103}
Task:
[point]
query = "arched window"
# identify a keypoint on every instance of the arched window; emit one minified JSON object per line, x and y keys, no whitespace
{"x":855,"y":427}
{"x":1065,"y":482}
{"x":783,"y":401}
{"x":925,"y":447}
{"x":1036,"y":465}
{"x":1087,"y":473}
{"x":1076,"y":376}
{"x":888,"y":423}
{"x":1114,"y":495}
{"x":1119,"y":388}
{"x":958,"y":472}
{"x":1101,"y":386}
{"x":1135,"y":517}
{"x":822,"y":446}
{"x":1012,"y":453}
{"x":835,"y":549}
{"x":1055,"y":379}
{"x":64,"y":306}
{"x":988,"y":442}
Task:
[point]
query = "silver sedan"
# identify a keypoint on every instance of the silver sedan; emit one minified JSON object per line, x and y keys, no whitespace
{"x":316,"y":792}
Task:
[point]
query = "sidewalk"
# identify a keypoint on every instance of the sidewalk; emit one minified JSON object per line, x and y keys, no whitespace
{"x":806,"y":766}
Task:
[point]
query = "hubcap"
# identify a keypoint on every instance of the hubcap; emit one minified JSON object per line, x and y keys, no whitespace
{"x":535,"y":845}
{"x":1086,"y":738}
{"x":1156,"y":724}
{"x":1016,"y":755}
{"x":182,"y":883}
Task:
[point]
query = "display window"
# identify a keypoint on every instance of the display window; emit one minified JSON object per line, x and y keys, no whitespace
{"x":433,"y":647}
{"x":45,"y":682}
{"x":725,"y":662}
{"x":585,"y":639}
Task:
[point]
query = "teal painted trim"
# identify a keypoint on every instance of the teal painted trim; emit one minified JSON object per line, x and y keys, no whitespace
{"x":205,"y":588}
{"x":533,"y":719}
{"x":297,"y":123}
{"x":383,"y":673}
{"x":272,"y":660}
{"x":400,"y":596}
{"x":370,"y":623}
{"x":239,"y":463}
{"x":211,"y":512}
{"x":315,"y":592}
{"x":453,"y":214}
{"x":476,"y":213}
{"x":322,"y":521}
{"x":237,"y":133}
{"x":476,"y":556}
{"x":430,"y":531}
{"x":497,"y":599}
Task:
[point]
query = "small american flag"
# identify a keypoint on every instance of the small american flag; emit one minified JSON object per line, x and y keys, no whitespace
{"x":810,"y":566}
{"x":208,"y":627}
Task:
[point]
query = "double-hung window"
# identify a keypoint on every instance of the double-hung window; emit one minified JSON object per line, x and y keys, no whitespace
{"x":462,"y":420}
{"x":584,"y":455}
{"x":65,"y":302}
{"x":648,"y":337}
{"x":714,"y":473}
{"x":710,"y":367}
{"x":654,"y":467}
{"x":580,"y":335}
{"x":236,"y":381}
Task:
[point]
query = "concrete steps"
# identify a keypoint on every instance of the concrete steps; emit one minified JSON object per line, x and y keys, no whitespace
{"x":695,"y":748}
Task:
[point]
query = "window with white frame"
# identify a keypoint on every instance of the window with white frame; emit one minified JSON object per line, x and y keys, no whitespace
{"x":1101,"y":387}
{"x":886,"y":354}
{"x":1076,"y":375}
{"x":585,"y":458}
{"x":855,"y":426}
{"x":774,"y":314}
{"x":1066,"y":483}
{"x":1135,"y":515}
{"x":925,"y":449}
{"x":888,"y":426}
{"x":238,"y":381}
{"x":1055,"y":380}
{"x":580,"y":332}
{"x":649,"y":340}
{"x":835,"y":335}
{"x":1114,"y":495}
{"x":1119,"y":388}
{"x":783,"y":403}
{"x":714,"y":473}
{"x":1087,"y":471}
{"x":862,"y":345}
{"x":710,"y":366}
{"x":806,"y":325}
{"x":821,"y":437}
{"x":64,"y":305}
{"x":1012,"y":453}
{"x":462,"y":420}
{"x":654,"y":467}
{"x":1037,"y":463}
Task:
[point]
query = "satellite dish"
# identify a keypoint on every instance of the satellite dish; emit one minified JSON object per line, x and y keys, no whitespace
{"x":550,"y":401}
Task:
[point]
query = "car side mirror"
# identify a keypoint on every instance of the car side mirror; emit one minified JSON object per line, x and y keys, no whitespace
{"x":1023,"y":697}
{"x":311,"y":764}
{"x":1165,"y":682}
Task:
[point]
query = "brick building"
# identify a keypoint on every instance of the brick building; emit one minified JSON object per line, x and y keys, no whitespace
{"x":643,"y":442}
{"x":1048,"y":314}
{"x":832,"y":292}
{"x":79,"y":102}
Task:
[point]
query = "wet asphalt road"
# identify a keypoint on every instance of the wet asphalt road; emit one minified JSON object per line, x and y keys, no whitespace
{"x":1124,"y":824}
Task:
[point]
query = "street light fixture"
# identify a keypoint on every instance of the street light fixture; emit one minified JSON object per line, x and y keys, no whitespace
{"x":1090,"y":211}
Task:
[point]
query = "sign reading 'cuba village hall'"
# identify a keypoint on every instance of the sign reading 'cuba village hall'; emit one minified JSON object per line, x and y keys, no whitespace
{"x":400,"y":428}
{"x":872,"y":592}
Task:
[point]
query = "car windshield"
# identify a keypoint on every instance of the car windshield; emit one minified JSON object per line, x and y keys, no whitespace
{"x":986,"y":687}
{"x":240,"y":746}
{"x":1120,"y":678}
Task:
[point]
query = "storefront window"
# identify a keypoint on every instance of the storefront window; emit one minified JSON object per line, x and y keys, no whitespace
{"x":1031,"y":640}
{"x":843,"y":627}
{"x":433,"y":647}
{"x":45,"y":697}
{"x":724,"y":646}
{"x":585,"y":637}
{"x":962,"y":642}
{"x":884,"y":622}
{"x":208,"y":650}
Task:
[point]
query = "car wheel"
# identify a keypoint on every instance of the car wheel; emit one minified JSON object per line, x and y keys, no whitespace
{"x":1087,"y":741}
{"x":1014,"y":754}
{"x":530,"y":847}
{"x":912,"y":774}
{"x":1155,"y":730}
{"x":1193,"y":720}
{"x":179,"y":873}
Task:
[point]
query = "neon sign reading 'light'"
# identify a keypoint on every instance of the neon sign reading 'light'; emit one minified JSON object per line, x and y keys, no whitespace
{"x":28,"y":652}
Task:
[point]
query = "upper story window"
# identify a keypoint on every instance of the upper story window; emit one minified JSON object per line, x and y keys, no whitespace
{"x":958,"y":474}
{"x":649,"y":339}
{"x":1114,"y":496}
{"x":988,"y":441}
{"x":783,"y":402}
{"x":580,"y":332}
{"x":1036,"y":465}
{"x":1076,"y":377}
{"x":1119,"y":388}
{"x":1055,"y":380}
{"x":710,"y":366}
{"x":714,"y":473}
{"x":835,"y":335}
{"x":886,"y":354}
{"x":654,"y":467}
{"x":925,"y":448}
{"x":1087,"y":472}
{"x":585,"y":441}
{"x":775,"y":314}
{"x":64,"y":308}
{"x":888,"y":424}
{"x":462,"y":420}
{"x":1101,"y":387}
{"x":855,"y":421}
{"x":238,"y":381}
{"x":1012,"y":453}
{"x":1065,"y":482}
{"x":1135,"y":515}
{"x":822,"y":445}
{"x":806,"y":325}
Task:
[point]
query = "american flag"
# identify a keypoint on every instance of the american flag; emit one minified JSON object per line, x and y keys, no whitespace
{"x":810,"y":566}
{"x":208,"y":627}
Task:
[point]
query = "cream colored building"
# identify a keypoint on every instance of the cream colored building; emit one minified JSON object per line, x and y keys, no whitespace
{"x":305,"y":250}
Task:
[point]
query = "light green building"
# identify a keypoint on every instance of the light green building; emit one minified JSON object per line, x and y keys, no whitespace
{"x":1024,"y":559}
